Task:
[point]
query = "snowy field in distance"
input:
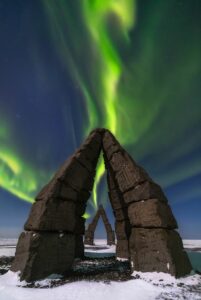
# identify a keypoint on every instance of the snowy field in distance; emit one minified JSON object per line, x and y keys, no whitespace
{"x":7,"y":247}
{"x":194,"y":245}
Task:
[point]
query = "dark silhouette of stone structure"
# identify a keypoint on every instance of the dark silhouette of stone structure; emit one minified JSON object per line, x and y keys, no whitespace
{"x":145,"y":226}
{"x":89,"y":233}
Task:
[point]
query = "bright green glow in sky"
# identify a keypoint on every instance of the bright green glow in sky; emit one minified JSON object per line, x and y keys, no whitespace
{"x":16,"y":177}
{"x":96,"y":14}
{"x":140,"y":79}
{"x":138,"y":85}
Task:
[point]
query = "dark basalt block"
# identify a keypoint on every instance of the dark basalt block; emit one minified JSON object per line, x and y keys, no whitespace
{"x":111,"y":182}
{"x":151,"y":213}
{"x":56,"y":216}
{"x":92,"y":146}
{"x":51,"y":190}
{"x":115,"y":199}
{"x":122,"y":230}
{"x":127,"y":173}
{"x":79,"y":246}
{"x":144,"y":191}
{"x":121,"y":214}
{"x":58,"y":189}
{"x":122,"y":250}
{"x":110,"y":145}
{"x":158,"y":250}
{"x":75,"y":175}
{"x":39,"y":255}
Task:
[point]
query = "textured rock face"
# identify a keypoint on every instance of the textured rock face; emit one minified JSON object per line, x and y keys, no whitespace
{"x":89,"y":234}
{"x":158,"y":250}
{"x":55,"y":226}
{"x":144,"y":220}
{"x":144,"y":223}
{"x":151,"y":213}
{"x":41,"y":254}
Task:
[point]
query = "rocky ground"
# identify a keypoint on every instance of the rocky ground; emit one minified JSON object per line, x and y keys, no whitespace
{"x":5,"y":264}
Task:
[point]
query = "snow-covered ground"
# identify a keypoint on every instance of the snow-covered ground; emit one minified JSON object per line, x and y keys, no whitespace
{"x":144,"y":286}
{"x":149,"y":286}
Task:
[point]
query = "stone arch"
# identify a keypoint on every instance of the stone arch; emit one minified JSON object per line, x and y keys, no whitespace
{"x":144,"y":226}
{"x":89,"y":233}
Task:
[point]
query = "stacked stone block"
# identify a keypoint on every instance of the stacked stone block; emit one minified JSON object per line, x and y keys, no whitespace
{"x":54,"y":231}
{"x":145,"y":226}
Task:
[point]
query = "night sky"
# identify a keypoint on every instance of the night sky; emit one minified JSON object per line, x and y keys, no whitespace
{"x":69,"y":66}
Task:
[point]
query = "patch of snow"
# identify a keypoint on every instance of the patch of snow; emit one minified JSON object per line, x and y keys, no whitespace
{"x":121,"y":259}
{"x":12,"y":289}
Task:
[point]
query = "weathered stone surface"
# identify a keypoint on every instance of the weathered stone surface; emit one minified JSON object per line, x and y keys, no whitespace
{"x":50,"y":190}
{"x":158,"y":250}
{"x":110,"y":145}
{"x":115,"y":199}
{"x":127,"y":173}
{"x":92,"y":146}
{"x":79,"y":246}
{"x":56,"y":189}
{"x":110,"y":237}
{"x":56,"y":216}
{"x":122,"y":250}
{"x":151,"y":213}
{"x":121,"y":214}
{"x":39,"y":255}
{"x":122,"y":230}
{"x":75,"y":175}
{"x":111,"y":182}
{"x":144,"y":191}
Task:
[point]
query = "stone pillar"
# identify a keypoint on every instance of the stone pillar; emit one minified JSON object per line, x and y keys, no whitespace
{"x":89,"y":233}
{"x":54,"y":231}
{"x":145,"y":226}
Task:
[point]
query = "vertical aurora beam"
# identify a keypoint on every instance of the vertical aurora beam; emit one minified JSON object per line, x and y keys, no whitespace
{"x":96,"y":14}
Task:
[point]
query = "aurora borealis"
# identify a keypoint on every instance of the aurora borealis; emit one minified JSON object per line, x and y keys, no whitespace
{"x":133,"y":67}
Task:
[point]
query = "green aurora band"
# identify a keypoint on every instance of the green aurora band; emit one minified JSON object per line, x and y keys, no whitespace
{"x":95,"y":17}
{"x":16,"y":175}
{"x":128,"y":89}
{"x":138,"y":74}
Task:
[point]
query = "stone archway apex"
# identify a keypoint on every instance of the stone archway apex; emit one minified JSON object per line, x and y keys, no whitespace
{"x":144,"y":223}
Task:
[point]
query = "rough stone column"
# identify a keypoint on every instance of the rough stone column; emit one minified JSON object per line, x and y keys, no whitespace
{"x":143,"y":217}
{"x":89,"y":233}
{"x":108,"y":227}
{"x":54,"y":231}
